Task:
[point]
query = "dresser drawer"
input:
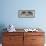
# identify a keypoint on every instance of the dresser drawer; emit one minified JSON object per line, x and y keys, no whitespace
{"x":13,"y":33}
{"x":12,"y":39}
{"x":37,"y":39}
{"x":37,"y":44}
{"x":13,"y":44}
{"x":34,"y":33}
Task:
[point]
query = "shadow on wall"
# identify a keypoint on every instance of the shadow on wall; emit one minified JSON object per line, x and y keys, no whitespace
{"x":2,"y":26}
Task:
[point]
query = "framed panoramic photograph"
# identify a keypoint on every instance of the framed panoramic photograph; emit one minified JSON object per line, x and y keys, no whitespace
{"x":26,"y":13}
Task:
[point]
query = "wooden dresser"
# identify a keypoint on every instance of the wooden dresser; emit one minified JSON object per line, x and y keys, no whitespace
{"x":23,"y":39}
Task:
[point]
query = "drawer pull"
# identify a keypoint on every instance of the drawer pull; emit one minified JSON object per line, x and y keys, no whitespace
{"x":10,"y":38}
{"x":33,"y":39}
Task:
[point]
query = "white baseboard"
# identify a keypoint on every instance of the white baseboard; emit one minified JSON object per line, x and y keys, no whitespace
{"x":0,"y":44}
